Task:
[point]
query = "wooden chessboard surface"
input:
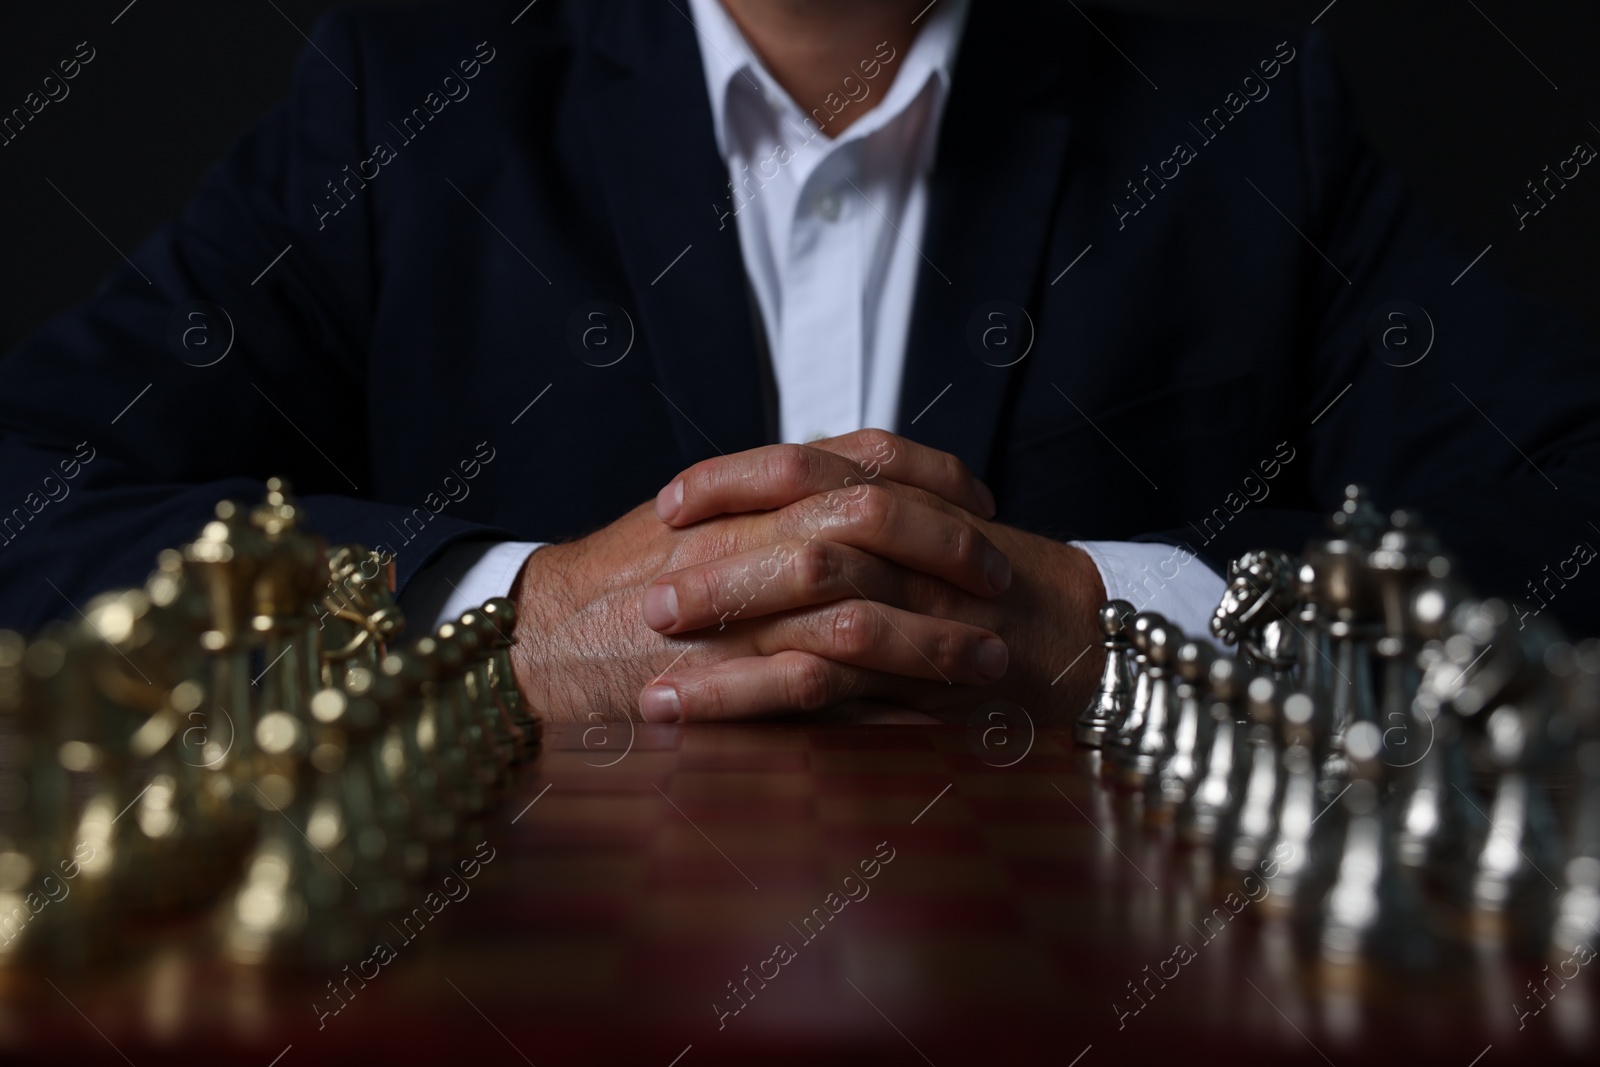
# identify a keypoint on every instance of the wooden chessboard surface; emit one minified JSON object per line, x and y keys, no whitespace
{"x":639,"y":870}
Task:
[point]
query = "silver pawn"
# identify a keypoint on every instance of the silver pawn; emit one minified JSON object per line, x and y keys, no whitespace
{"x":1578,"y":907}
{"x":1511,"y":699}
{"x":1127,"y":730}
{"x":1114,"y":697}
{"x":1137,"y":759}
{"x":1373,"y":908}
{"x":1306,"y":826}
{"x":1203,"y":817}
{"x":1179,"y":773}
{"x":1256,"y":820}
{"x":1441,"y":825}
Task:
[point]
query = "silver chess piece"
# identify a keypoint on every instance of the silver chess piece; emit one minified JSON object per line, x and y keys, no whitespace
{"x":1510,"y":699}
{"x":1577,"y":920}
{"x":1307,"y":827}
{"x":1255,"y":821}
{"x":1179,"y":774}
{"x":1315,"y":655}
{"x":1350,"y":610}
{"x":1111,"y":701}
{"x":1373,"y":909}
{"x":1406,"y":556}
{"x":1139,"y":750}
{"x":1258,"y":609}
{"x":1126,"y":732}
{"x":1203,"y":816}
{"x":1441,"y":824}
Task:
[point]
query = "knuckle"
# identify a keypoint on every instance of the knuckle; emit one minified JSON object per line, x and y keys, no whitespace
{"x":955,"y":471}
{"x":950,"y":649}
{"x":710,"y":588}
{"x":852,"y":630}
{"x":721,"y":699}
{"x":807,"y":682}
{"x":880,"y":444}
{"x":700,"y":694}
{"x":815,"y":567}
{"x":926,"y":498}
{"x":789,"y":467}
{"x":872,"y":509}
{"x":961,"y":542}
{"x":703,"y":701}
{"x":703,"y":477}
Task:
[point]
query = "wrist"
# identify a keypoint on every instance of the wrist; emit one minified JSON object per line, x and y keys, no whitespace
{"x":1066,"y":650}
{"x":1080,"y":598}
{"x":541,"y":593}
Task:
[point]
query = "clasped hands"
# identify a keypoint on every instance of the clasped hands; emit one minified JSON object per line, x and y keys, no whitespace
{"x":860,"y":576}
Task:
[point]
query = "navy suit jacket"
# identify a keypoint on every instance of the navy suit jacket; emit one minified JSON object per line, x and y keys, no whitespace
{"x":1204,"y":272}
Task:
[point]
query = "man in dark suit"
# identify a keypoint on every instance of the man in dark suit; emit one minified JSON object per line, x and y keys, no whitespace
{"x":493,"y":276}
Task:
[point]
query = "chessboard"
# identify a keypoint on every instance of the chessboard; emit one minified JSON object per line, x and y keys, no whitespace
{"x":684,"y":895}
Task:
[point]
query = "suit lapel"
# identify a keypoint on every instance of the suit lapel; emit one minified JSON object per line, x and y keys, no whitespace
{"x":992,"y":198}
{"x":650,"y":126}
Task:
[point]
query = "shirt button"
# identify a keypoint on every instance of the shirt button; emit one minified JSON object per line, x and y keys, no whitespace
{"x":828,"y":206}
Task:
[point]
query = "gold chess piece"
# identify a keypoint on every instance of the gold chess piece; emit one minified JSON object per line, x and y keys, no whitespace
{"x":245,"y":717}
{"x":405,"y":699}
{"x":499,"y":718}
{"x":296,"y":901}
{"x":148,"y":681}
{"x":292,"y":577}
{"x":223,"y":563}
{"x":502,"y":613}
{"x":61,"y":847}
{"x":359,"y":618}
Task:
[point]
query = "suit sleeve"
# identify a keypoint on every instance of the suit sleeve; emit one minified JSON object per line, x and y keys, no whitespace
{"x":1480,"y":407}
{"x":231,"y":347}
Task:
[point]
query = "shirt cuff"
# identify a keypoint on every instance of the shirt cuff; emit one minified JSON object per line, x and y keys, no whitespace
{"x":462,"y":578}
{"x":1168,"y":579}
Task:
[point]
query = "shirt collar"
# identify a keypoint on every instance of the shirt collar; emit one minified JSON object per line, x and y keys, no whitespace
{"x":728,"y":60}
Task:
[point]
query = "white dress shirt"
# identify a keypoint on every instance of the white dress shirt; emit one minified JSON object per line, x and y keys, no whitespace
{"x":829,"y":222}
{"x":831,"y":228}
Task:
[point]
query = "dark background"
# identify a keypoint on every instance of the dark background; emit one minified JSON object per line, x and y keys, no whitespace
{"x":1444,"y":95}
